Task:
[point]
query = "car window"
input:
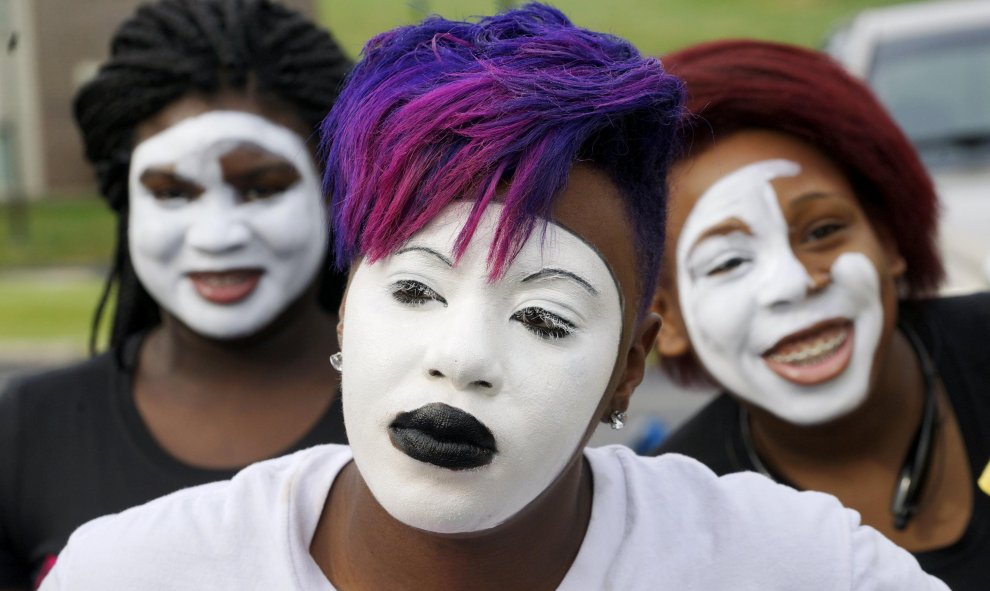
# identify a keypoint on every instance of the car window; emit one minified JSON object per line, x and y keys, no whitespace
{"x":938,"y":89}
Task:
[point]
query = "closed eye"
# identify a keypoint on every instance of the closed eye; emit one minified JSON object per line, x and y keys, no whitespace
{"x":414,"y":293}
{"x":543,"y":323}
{"x":726,"y":266}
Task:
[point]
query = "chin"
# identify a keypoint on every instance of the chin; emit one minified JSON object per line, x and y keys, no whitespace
{"x":823,"y":408}
{"x":443,"y":512}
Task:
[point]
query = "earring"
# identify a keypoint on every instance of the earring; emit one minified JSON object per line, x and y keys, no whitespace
{"x":618,"y":419}
{"x":337,"y":361}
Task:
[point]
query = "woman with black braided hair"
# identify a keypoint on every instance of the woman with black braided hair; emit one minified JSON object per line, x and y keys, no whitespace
{"x":199,"y":129}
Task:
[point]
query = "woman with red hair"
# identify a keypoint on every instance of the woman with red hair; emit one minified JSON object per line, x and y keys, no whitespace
{"x":800,"y":249}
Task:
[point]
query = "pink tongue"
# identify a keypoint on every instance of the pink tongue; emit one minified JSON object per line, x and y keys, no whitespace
{"x":225,"y":288}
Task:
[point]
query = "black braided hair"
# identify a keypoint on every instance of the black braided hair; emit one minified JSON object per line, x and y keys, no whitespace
{"x":169,"y":49}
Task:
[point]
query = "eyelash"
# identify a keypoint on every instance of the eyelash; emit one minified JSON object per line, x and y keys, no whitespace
{"x":831,"y":227}
{"x":414,"y":293}
{"x":726,"y":266}
{"x":539,"y":321}
{"x":544,"y":324}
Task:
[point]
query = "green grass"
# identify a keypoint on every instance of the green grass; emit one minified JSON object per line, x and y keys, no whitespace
{"x":39,"y":304}
{"x":655,"y":26}
{"x":46,"y":307}
{"x":56,"y":231}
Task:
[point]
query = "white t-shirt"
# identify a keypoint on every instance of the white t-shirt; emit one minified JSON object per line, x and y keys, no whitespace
{"x":656,"y":523}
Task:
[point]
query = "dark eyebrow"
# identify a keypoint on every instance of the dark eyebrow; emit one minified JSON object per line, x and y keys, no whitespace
{"x":810,"y":196}
{"x":560,"y":273}
{"x":445,"y":260}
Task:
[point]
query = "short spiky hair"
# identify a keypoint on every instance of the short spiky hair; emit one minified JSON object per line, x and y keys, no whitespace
{"x":448,"y":110}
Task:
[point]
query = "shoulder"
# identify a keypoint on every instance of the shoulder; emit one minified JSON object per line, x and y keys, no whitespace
{"x":746,"y":528}
{"x":961,"y":316}
{"x":48,"y":406}
{"x":221,"y":525}
{"x":44,"y":391}
{"x":707,"y":436}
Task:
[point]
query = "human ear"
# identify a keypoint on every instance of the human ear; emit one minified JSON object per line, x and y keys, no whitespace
{"x":635,"y":365}
{"x":896,"y":265}
{"x":340,"y":314}
{"x":672,"y":340}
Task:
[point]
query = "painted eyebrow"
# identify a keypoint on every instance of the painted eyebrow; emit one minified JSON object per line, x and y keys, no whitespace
{"x":561,"y":274}
{"x":168,"y":174}
{"x":726,"y":226}
{"x":430,"y":251}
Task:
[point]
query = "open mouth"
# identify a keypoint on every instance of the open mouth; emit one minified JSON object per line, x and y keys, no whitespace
{"x":225,"y":287}
{"x":815,"y":355}
{"x":444,"y":436}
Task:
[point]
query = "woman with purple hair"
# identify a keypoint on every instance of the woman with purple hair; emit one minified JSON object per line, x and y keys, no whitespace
{"x":497,"y":187}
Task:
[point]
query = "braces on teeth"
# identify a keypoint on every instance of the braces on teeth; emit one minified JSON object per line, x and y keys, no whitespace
{"x":821,"y":347}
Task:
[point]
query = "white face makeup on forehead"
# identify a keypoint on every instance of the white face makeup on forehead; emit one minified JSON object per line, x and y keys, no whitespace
{"x":227,"y":225}
{"x":465,"y":398}
{"x":752,"y":311}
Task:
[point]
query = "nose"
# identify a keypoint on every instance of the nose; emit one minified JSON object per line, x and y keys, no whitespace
{"x":218,"y":230}
{"x":464,"y":353}
{"x":787,"y":281}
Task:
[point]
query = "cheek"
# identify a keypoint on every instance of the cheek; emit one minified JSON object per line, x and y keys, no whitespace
{"x":720,"y":314}
{"x":295,"y":222}
{"x":156,"y":232}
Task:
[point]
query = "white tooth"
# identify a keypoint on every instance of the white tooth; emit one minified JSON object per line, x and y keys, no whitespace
{"x":817,"y":349}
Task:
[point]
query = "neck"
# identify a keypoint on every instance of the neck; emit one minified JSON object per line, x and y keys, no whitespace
{"x":879,"y":430}
{"x":358,"y":545}
{"x":293,"y":346}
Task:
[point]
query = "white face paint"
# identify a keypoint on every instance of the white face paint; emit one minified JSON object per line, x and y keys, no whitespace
{"x":529,"y":356}
{"x":746,"y":305}
{"x":223,"y":246}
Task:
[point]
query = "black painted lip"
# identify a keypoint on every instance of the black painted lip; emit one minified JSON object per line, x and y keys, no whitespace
{"x":444,"y":436}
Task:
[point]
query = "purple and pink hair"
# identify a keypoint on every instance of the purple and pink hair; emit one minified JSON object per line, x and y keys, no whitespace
{"x":744,"y":84}
{"x":445,"y":111}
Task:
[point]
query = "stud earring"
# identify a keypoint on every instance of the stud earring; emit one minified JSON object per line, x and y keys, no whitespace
{"x":618,"y":419}
{"x":337,"y":361}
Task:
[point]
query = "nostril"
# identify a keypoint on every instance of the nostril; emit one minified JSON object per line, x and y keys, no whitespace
{"x":435,"y":373}
{"x":483,"y":384}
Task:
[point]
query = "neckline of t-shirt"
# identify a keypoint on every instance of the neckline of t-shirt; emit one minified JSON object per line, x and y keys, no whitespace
{"x":133,"y":424}
{"x":308,"y":499}
{"x":977,"y":531}
{"x":978,"y":528}
{"x":605,"y":526}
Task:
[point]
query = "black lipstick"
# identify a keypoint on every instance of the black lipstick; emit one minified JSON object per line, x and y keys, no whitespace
{"x":444,"y":436}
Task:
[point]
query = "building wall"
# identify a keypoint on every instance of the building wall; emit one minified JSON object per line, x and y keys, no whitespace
{"x":73,"y":38}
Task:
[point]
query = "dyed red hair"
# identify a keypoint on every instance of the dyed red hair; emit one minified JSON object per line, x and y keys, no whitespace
{"x":742,"y":84}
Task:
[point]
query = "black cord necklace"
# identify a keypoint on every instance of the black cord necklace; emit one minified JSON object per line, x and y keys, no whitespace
{"x":914,"y":470}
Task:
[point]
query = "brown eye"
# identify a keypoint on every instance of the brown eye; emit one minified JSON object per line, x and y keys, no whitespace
{"x":266,"y":182}
{"x":823,"y":231}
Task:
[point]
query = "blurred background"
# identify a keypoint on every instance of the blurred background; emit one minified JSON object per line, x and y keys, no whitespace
{"x":56,"y":236}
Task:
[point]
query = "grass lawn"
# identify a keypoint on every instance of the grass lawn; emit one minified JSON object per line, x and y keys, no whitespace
{"x":50,"y":255}
{"x":655,"y":26}
{"x":48,"y":306}
{"x":56,"y":231}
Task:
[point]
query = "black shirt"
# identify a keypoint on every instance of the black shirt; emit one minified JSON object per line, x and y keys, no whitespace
{"x":956,"y":333}
{"x":73,"y":447}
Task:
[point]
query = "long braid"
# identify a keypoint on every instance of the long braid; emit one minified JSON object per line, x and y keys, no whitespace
{"x":168,"y":50}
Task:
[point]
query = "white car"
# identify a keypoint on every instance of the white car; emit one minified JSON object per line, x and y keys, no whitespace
{"x":929,"y":63}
